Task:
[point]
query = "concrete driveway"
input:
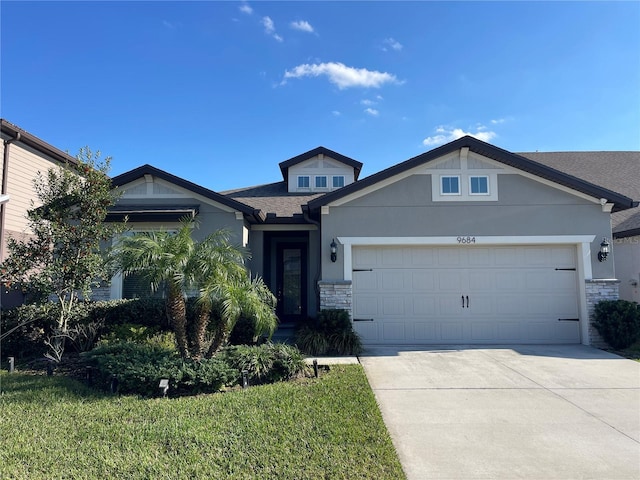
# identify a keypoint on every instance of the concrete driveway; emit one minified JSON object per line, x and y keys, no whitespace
{"x":534,"y":412}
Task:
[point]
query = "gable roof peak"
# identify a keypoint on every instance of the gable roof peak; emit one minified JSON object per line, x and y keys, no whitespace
{"x":284,"y":166}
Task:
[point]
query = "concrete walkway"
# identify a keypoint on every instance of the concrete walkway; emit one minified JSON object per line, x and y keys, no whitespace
{"x":516,"y":412}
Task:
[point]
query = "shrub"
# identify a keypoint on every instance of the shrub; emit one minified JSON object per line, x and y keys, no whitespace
{"x":244,"y":332}
{"x":139,"y":368}
{"x":267,"y":363}
{"x":332,"y":333}
{"x":618,"y":322}
{"x":90,"y":320}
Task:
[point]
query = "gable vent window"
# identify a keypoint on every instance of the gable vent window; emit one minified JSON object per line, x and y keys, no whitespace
{"x":479,"y":185}
{"x":321,"y":181}
{"x":338,"y":181}
{"x":450,"y":185}
{"x":303,"y":181}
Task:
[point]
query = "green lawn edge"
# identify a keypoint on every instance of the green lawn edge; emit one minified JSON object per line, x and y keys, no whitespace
{"x":326,"y":428}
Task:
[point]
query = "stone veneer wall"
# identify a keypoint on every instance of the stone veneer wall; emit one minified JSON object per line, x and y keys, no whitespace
{"x":597,"y":290}
{"x":335,"y":294}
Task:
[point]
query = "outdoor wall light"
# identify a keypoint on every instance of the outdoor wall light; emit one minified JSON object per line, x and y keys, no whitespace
{"x":604,"y":250}
{"x":334,"y":250}
{"x":164,"y":386}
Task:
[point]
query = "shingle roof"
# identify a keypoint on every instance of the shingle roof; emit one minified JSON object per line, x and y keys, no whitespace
{"x":616,"y":171}
{"x":272,"y":198}
{"x":27,"y":138}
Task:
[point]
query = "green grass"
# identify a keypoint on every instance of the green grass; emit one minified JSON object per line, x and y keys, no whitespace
{"x":327,"y":428}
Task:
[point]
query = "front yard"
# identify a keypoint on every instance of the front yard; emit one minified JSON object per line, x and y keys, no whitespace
{"x":55,"y":427}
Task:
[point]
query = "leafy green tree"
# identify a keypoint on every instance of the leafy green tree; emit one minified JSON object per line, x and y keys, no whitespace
{"x":62,"y":259}
{"x":212,"y":269}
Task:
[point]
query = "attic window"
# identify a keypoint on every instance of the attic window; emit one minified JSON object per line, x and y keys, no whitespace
{"x":321,"y":181}
{"x":479,"y":185}
{"x":303,"y":181}
{"x":338,"y":181}
{"x":450,"y":185}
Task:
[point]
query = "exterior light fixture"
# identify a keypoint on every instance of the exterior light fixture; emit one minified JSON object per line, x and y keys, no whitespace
{"x":163,"y":386}
{"x":334,"y":250}
{"x":604,"y":250}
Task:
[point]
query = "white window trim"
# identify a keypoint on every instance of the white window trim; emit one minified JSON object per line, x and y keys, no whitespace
{"x":318,"y":177}
{"x":456,"y":194}
{"x":300,"y":177}
{"x":480,"y":194}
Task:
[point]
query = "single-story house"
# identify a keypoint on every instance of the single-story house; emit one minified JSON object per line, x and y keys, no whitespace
{"x":465,"y":244}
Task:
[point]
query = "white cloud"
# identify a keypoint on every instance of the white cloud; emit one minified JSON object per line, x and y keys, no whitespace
{"x":268,"y":25}
{"x":336,"y":113}
{"x":246,"y":9}
{"x":341,"y":75}
{"x":372,"y":111}
{"x":302,"y":25}
{"x":367,"y":102}
{"x":446,"y":134}
{"x":168,"y":24}
{"x":391,"y":43}
{"x":498,"y":121}
{"x":270,"y":28}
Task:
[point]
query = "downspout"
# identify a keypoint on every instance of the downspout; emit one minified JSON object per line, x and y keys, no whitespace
{"x":5,"y":181}
{"x":316,"y":287}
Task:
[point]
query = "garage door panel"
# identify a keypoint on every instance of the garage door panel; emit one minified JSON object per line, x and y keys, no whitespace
{"x":516,"y":294}
{"x":423,"y":281}
{"x":365,"y":281}
{"x":368,"y":331}
{"x":392,"y":280}
{"x":425,"y":332}
{"x":424,"y":306}
{"x":452,"y":332}
{"x":365,"y":305}
{"x":394,"y":332}
{"x":393,"y":306}
{"x":451,"y":281}
{"x":483,"y":331}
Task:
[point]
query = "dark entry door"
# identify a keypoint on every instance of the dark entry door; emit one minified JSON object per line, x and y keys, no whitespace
{"x":291,"y":288}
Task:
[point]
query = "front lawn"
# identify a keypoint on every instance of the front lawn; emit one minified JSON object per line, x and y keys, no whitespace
{"x":54,"y":427}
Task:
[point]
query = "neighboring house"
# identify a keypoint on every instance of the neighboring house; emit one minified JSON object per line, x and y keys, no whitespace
{"x":465,"y":244}
{"x":23,"y":156}
{"x":618,"y":171}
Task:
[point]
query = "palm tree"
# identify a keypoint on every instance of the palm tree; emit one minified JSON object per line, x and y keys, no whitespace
{"x":212,"y":269}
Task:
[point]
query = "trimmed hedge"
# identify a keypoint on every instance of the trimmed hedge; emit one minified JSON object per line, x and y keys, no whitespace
{"x":618,"y":322}
{"x":138,"y":369}
{"x":266,"y":363}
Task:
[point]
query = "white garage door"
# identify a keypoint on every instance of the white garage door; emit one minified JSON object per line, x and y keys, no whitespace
{"x":466,"y":294}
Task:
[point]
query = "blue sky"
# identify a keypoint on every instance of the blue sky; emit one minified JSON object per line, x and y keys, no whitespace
{"x":220,"y":92}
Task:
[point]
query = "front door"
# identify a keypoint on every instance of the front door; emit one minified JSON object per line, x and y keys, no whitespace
{"x":291,"y":282}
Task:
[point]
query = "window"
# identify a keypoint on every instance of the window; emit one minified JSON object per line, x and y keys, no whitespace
{"x":338,"y":181}
{"x":479,"y":185}
{"x":321,"y":181}
{"x":450,"y":185}
{"x":303,"y":181}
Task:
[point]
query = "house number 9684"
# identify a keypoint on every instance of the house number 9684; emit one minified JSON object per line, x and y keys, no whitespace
{"x":466,"y":239}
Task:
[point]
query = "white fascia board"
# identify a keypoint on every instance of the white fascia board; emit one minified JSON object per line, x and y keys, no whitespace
{"x":582,"y":241}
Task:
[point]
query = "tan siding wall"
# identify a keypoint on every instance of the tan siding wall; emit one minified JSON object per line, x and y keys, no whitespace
{"x":24,"y":164}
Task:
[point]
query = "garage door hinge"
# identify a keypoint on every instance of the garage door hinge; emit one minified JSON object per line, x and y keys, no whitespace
{"x":363,"y":319}
{"x":362,"y":270}
{"x":568,"y":319}
{"x":567,"y":269}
